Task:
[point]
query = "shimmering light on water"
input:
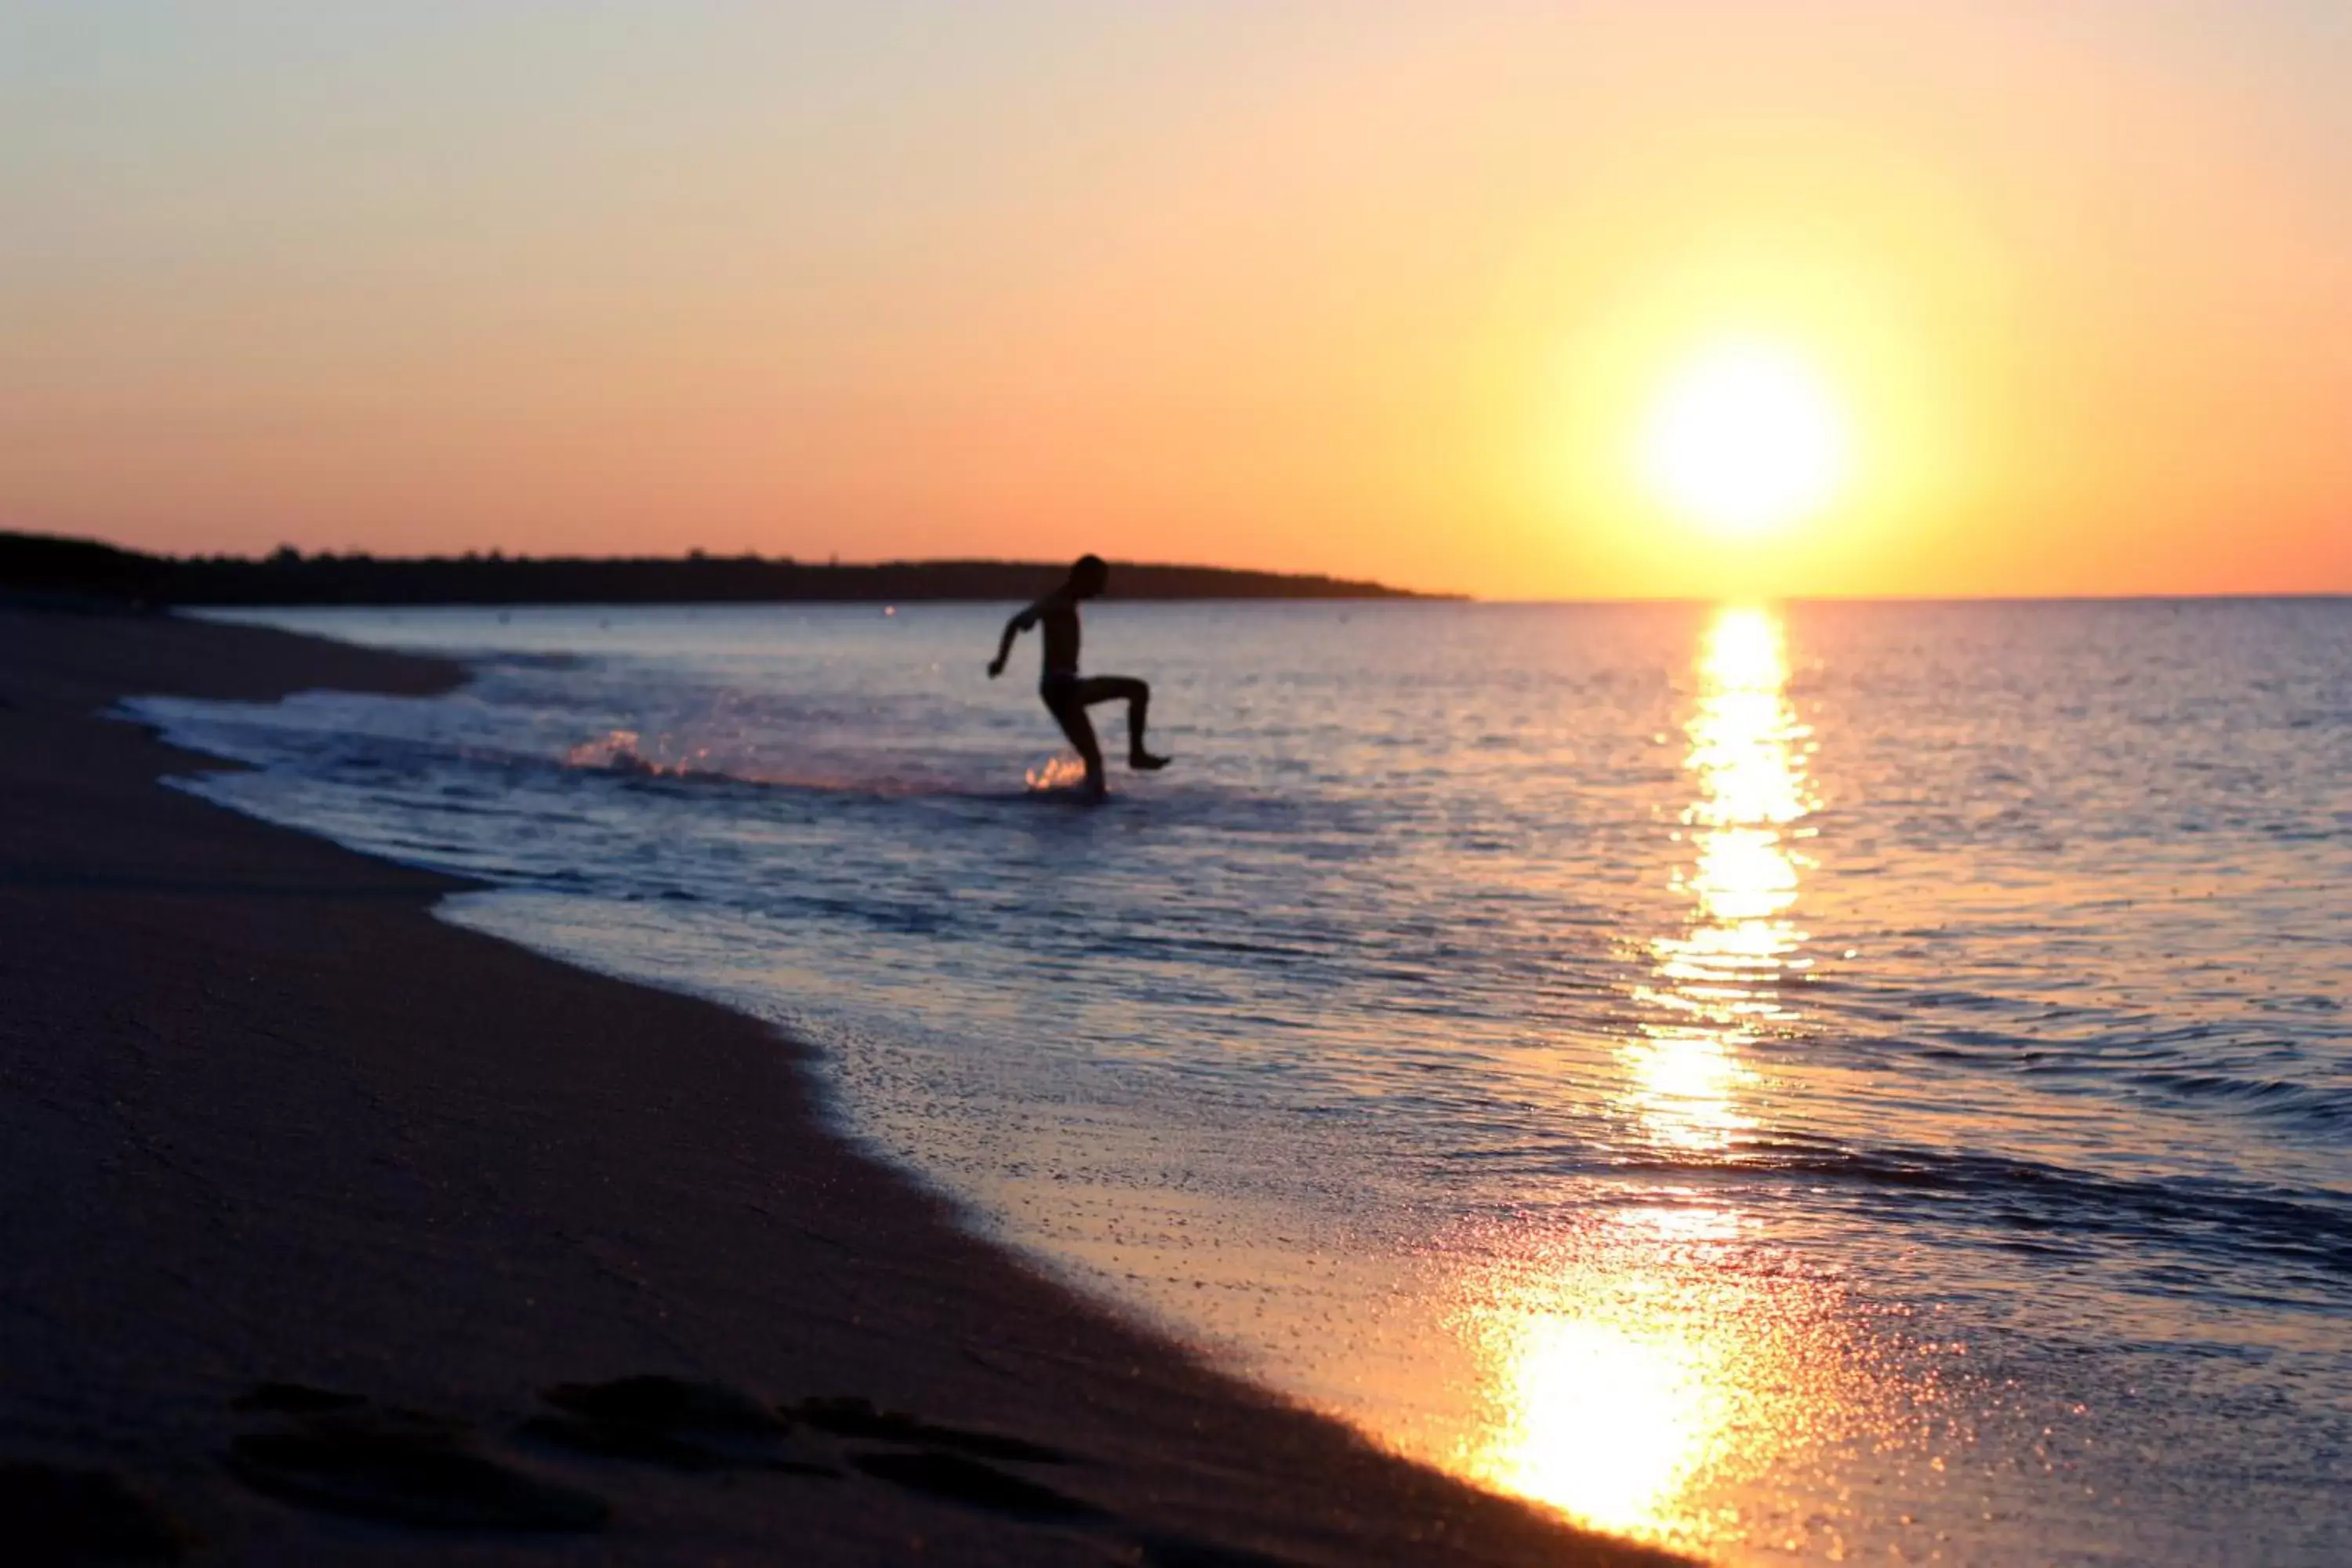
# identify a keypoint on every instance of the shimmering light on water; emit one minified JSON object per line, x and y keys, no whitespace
{"x":1614,"y":1410}
{"x":1642,"y":1365}
{"x":1625,"y":1369}
{"x":1713,"y":982}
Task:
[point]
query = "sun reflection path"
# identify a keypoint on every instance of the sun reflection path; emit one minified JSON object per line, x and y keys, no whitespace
{"x":1610,"y":1401}
{"x":1716,"y":986}
{"x":1648,"y":1368}
{"x":1641,"y":1360}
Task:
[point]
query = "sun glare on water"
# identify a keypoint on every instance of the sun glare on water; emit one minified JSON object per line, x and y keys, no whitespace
{"x":1647,"y":1361}
{"x":1745,"y":438}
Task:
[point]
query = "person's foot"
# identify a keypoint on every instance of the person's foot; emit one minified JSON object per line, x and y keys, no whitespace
{"x":1144,"y":761}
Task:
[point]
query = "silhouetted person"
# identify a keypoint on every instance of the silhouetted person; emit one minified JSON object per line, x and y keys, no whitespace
{"x":1066,"y":693}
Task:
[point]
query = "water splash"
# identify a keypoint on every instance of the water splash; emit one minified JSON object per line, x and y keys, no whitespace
{"x":623,"y":752}
{"x":1059,"y":773}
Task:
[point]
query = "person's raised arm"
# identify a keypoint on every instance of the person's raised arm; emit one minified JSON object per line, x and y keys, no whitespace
{"x":1013,"y":628}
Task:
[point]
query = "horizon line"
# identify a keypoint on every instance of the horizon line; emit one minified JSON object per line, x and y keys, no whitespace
{"x":1403,"y":593}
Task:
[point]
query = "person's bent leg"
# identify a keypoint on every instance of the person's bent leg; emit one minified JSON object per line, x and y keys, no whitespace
{"x":1070,"y":713}
{"x":1137,"y":697}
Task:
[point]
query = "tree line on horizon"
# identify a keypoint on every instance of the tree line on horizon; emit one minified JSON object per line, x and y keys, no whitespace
{"x":42,"y":565}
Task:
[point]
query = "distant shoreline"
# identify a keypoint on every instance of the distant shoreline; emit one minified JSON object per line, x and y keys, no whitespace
{"x":48,"y":566}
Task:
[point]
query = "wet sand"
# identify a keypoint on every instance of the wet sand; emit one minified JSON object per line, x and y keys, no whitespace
{"x":329,"y":1231}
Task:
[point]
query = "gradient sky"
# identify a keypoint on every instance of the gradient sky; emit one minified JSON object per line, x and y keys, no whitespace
{"x":1370,"y":288}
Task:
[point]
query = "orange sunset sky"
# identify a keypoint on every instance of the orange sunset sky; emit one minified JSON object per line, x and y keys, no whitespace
{"x":1370,"y":288}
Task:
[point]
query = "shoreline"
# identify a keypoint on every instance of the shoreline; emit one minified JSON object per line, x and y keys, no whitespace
{"x":269,"y":1120}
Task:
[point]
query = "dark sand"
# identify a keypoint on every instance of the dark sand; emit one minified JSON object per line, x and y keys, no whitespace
{"x":263,"y":1118}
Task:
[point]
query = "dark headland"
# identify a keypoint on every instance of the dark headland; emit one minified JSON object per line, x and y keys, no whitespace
{"x":46,"y":564}
{"x":332,"y":1233}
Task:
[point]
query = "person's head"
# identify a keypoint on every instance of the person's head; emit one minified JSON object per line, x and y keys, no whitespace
{"x":1088,"y":575}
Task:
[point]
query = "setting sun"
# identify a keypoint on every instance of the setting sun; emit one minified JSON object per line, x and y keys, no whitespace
{"x":1745,"y":438}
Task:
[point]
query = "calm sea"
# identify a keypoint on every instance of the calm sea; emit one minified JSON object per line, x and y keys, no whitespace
{"x":1833,"y":1080}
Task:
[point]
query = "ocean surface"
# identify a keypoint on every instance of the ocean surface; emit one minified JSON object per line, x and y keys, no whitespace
{"x":1864,"y":1081}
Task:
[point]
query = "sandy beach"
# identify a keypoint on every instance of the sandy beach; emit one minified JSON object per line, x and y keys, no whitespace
{"x":333,"y":1232}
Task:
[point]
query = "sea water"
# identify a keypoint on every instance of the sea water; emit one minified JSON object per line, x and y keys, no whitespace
{"x":1855,"y":1081}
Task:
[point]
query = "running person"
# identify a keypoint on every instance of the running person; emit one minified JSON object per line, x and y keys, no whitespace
{"x":1067,"y":694}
